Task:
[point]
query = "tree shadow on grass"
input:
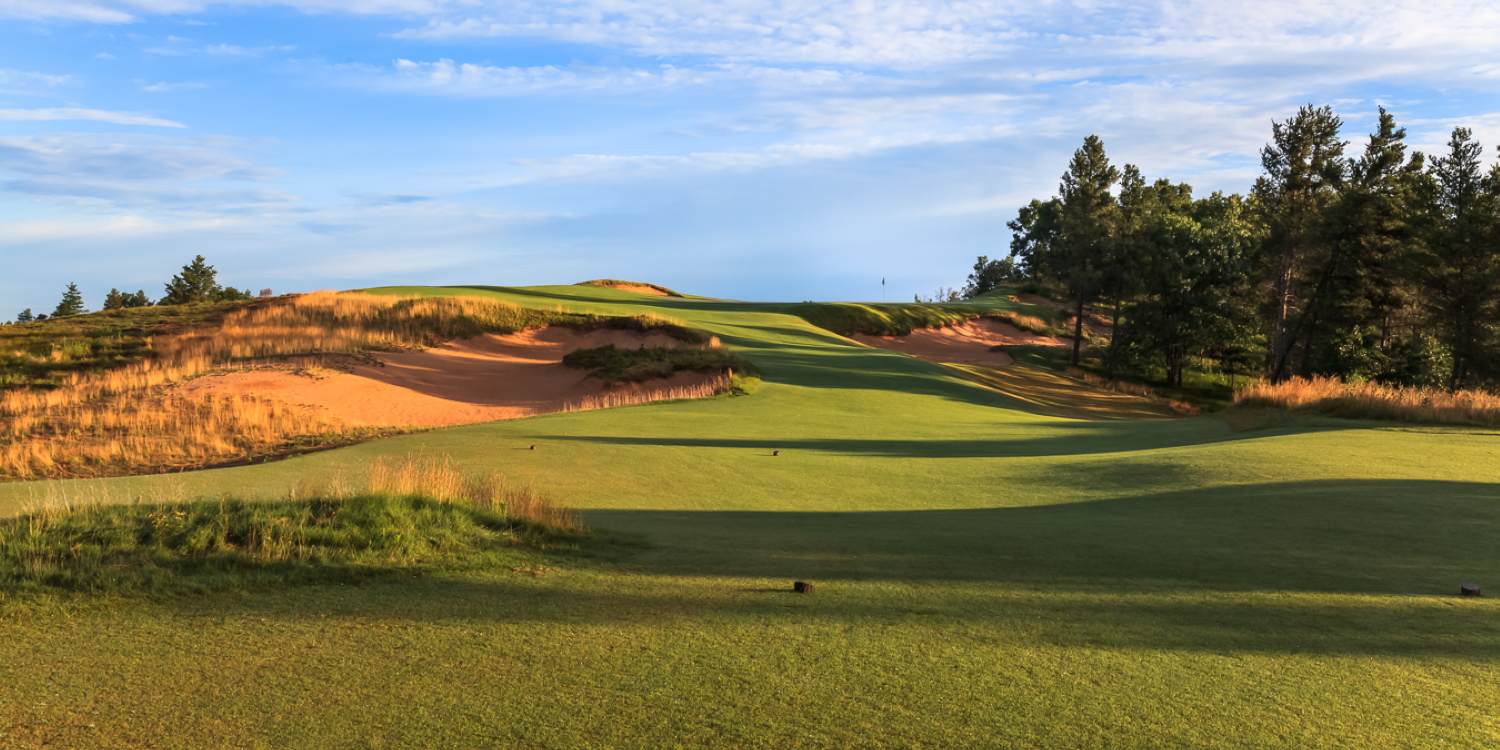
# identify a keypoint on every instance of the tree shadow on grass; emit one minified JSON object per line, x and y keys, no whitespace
{"x":1321,"y":568}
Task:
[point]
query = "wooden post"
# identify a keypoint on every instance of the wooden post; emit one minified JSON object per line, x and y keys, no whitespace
{"x":1469,"y":589}
{"x":802,"y":587}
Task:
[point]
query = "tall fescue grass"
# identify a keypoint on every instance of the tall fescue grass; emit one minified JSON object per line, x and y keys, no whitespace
{"x":1134,"y":389}
{"x":127,"y":420}
{"x":622,"y":282}
{"x":630,"y":395}
{"x":1334,"y":397}
{"x":419,"y":513}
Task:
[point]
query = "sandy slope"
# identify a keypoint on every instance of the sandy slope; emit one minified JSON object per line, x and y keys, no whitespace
{"x":473,"y":380}
{"x":966,"y":343}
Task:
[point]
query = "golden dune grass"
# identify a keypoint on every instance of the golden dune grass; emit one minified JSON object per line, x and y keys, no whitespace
{"x":1334,"y":397}
{"x":631,"y":396}
{"x":127,"y":421}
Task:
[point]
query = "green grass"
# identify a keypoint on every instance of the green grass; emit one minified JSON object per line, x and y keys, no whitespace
{"x":232,"y":545}
{"x":987,"y":577}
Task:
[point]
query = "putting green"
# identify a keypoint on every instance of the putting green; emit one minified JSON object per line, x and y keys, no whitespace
{"x":986,"y":577}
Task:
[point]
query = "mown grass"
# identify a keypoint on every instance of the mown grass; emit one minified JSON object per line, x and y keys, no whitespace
{"x":988,"y":577}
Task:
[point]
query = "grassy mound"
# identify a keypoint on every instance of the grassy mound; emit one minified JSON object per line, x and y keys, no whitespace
{"x":419,"y":516}
{"x":623,"y":283}
{"x":894,"y":319}
{"x":615,"y":364}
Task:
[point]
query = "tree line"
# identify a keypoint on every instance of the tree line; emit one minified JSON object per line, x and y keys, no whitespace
{"x":198,"y":282}
{"x":1382,"y":264}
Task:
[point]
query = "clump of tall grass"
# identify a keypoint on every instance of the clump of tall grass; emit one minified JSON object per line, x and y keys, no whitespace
{"x":614,"y":364}
{"x":421,"y":513}
{"x":126,"y":420}
{"x":1369,"y":400}
{"x":630,"y":396}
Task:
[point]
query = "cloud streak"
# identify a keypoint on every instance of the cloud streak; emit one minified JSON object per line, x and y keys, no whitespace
{"x":95,"y":115}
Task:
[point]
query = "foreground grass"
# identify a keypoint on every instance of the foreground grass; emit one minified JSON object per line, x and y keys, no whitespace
{"x":987,"y":577}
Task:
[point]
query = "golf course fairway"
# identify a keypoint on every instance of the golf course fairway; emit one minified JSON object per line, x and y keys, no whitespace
{"x":987,"y":576}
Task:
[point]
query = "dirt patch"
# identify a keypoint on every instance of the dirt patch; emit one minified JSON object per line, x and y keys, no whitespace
{"x":480,"y":379}
{"x":966,"y":343}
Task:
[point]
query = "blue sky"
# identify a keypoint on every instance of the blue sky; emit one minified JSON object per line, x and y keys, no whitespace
{"x":755,"y":149}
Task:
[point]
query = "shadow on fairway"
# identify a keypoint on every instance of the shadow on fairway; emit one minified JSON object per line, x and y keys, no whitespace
{"x":1325,"y":568}
{"x":1069,"y":438}
{"x":1403,"y":537}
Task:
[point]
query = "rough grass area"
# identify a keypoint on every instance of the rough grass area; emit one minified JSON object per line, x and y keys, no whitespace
{"x":420,"y":515}
{"x":615,"y":364}
{"x":1335,"y":398}
{"x":124,"y":420}
{"x":43,"y":354}
{"x":622,"y":282}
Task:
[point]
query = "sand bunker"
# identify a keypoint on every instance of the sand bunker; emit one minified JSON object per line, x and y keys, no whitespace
{"x":966,"y":343}
{"x":473,"y":380}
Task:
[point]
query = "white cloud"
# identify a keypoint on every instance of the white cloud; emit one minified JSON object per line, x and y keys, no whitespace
{"x":131,"y":171}
{"x":96,"y":115}
{"x":28,"y":78}
{"x":163,"y":86}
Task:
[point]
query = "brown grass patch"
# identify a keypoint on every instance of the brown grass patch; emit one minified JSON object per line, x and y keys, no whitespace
{"x":1336,"y":398}
{"x":1135,"y":389}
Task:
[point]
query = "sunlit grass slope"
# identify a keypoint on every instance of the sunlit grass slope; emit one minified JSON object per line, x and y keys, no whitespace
{"x":987,"y":577}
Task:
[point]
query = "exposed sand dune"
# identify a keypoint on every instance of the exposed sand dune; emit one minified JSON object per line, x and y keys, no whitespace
{"x":639,"y":289}
{"x":480,"y":379}
{"x":965,"y":343}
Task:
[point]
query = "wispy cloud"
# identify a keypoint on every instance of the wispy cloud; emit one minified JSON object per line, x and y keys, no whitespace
{"x":29,"y":78}
{"x":163,"y":86}
{"x":96,"y":115}
{"x":131,"y":170}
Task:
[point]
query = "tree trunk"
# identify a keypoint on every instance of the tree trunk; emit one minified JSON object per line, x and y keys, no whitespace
{"x":1078,"y":328}
{"x":1114,"y":333}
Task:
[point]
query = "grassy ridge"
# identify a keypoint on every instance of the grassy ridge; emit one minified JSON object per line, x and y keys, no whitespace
{"x":615,"y":364}
{"x":621,"y":282}
{"x":42,"y":354}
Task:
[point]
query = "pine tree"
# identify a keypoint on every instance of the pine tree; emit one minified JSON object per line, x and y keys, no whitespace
{"x":196,"y":283}
{"x":114,"y":300}
{"x":26,"y":316}
{"x":1304,"y":169}
{"x":1087,"y":222}
{"x":71,"y":304}
{"x":1458,"y":263}
{"x":139,"y":299}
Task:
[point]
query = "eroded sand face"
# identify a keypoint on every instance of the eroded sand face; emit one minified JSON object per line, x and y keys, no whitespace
{"x":966,"y":343}
{"x":639,"y":289}
{"x":481,"y":379}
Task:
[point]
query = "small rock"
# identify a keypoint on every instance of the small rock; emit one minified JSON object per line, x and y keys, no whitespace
{"x":775,"y":453}
{"x":1469,"y":589}
{"x":802,"y":587}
